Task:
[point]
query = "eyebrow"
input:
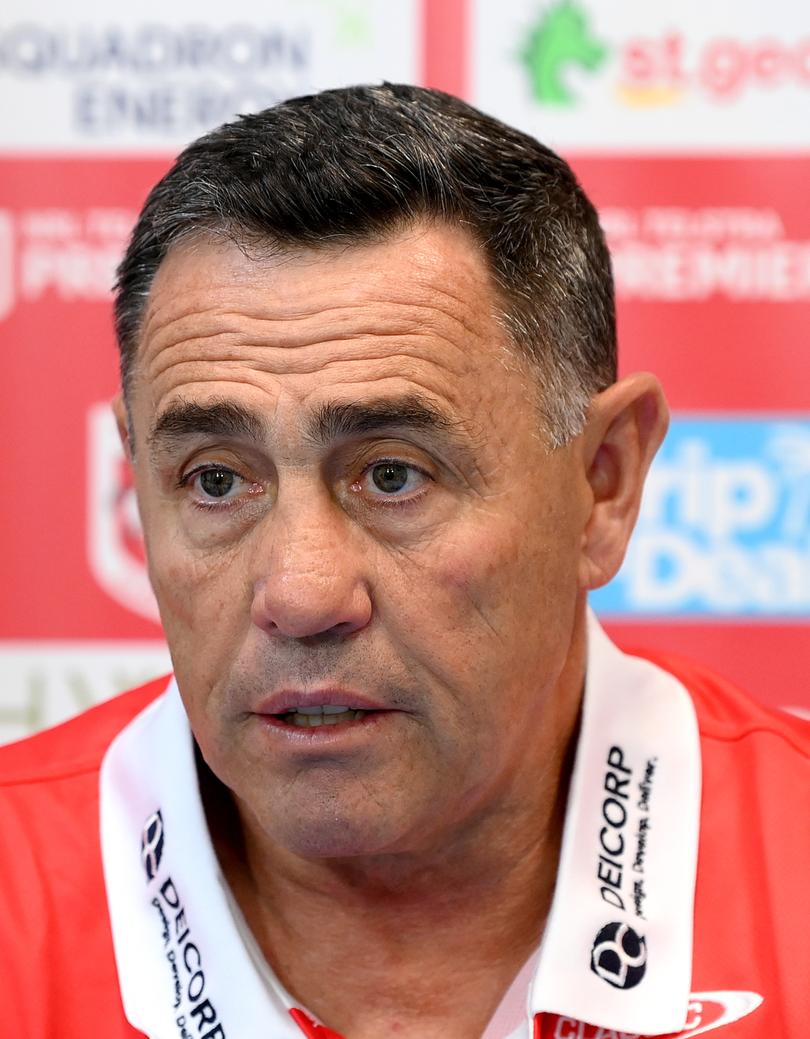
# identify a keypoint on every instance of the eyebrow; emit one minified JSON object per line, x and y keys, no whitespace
{"x":185,"y":419}
{"x":338,"y":421}
{"x":331,"y":421}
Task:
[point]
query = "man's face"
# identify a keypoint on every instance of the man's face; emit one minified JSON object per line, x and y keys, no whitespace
{"x":347,"y":502}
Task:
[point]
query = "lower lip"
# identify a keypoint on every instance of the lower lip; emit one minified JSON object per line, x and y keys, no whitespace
{"x":323,"y":735}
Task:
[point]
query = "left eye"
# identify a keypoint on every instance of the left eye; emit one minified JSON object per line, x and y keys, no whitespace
{"x":389,"y":478}
{"x":216,"y":482}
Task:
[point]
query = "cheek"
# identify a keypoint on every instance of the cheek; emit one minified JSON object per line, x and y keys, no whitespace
{"x":203,"y":598}
{"x":511,"y":589}
{"x":500,"y":569}
{"x":456,"y":617}
{"x":472,"y":573}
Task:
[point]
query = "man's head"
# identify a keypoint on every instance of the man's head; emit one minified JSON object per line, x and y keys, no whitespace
{"x":360,"y":164}
{"x":347,"y":497}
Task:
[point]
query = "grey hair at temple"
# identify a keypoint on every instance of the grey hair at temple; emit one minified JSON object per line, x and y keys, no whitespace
{"x":360,"y":163}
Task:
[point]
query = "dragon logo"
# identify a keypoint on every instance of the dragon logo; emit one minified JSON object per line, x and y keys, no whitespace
{"x":560,"y":39}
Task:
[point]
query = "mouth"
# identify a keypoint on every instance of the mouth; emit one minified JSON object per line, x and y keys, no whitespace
{"x":328,"y":710}
{"x":325,"y":714}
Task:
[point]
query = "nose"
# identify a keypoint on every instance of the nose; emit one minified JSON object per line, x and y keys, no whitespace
{"x":312,"y":582}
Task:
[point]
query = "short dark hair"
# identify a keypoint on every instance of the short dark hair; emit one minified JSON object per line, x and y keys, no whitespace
{"x":349,"y":165}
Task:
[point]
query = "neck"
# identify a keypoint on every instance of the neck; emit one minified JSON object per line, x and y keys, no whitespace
{"x":433,"y":941}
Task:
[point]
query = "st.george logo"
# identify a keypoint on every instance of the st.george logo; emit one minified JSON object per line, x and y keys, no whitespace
{"x":114,"y":538}
{"x":152,"y":844}
{"x":619,"y":956}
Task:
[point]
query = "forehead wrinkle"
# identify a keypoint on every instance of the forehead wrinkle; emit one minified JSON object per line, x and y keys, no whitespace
{"x":407,"y":359}
{"x":296,"y":303}
{"x":354,"y":320}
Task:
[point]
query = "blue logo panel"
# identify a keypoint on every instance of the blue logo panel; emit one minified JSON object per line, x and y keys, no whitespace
{"x":724,"y":529}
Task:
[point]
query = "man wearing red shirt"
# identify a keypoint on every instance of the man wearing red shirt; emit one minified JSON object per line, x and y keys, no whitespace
{"x":401,"y":784}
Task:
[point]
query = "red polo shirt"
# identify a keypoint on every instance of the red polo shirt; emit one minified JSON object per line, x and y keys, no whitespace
{"x":620,"y":946}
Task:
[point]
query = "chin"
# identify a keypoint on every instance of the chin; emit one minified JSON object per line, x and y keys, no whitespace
{"x":332,"y":835}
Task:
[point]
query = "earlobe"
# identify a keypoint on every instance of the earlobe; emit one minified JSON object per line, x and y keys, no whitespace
{"x":625,"y":427}
{"x":119,"y":409}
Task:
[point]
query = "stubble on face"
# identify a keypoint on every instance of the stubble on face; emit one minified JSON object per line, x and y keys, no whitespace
{"x":458,"y":612}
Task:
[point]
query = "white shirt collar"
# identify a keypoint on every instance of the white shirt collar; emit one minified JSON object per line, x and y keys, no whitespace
{"x":629,"y":847}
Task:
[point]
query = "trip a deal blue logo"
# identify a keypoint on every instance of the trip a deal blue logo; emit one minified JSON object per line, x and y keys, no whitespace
{"x":724,"y":528}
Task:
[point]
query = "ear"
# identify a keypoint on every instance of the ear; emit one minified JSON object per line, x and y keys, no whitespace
{"x":625,"y":427}
{"x":122,"y":421}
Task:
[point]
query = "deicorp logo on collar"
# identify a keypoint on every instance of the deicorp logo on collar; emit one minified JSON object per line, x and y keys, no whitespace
{"x":152,"y":844}
{"x":619,"y":956}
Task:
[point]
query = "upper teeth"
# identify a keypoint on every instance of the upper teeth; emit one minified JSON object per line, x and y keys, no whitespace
{"x":322,"y":709}
{"x":325,"y":714}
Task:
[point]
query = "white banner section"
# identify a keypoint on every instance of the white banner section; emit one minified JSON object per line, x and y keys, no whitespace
{"x":151,"y":76}
{"x":45,"y":683}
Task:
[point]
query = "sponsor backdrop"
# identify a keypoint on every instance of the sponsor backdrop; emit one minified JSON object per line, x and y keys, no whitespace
{"x":689,"y":126}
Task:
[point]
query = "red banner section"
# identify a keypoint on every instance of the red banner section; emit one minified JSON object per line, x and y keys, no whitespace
{"x":712,"y":264}
{"x":60,"y":240}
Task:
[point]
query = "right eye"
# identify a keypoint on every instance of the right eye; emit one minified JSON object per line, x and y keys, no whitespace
{"x":216,"y":483}
{"x":217,"y":486}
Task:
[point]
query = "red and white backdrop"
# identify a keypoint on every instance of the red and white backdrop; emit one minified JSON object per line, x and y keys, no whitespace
{"x":688,"y":124}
